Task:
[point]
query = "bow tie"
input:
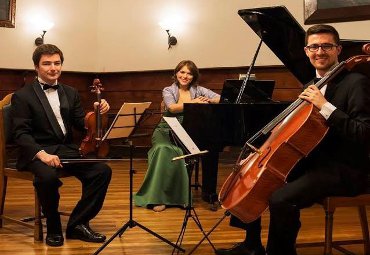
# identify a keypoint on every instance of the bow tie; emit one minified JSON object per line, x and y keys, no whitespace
{"x":47,"y":86}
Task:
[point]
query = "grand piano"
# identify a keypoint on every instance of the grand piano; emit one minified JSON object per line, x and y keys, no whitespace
{"x":215,"y":126}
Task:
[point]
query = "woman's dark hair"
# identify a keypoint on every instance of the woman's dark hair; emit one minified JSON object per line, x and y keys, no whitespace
{"x":323,"y":29}
{"x":46,"y":49}
{"x":192,"y":68}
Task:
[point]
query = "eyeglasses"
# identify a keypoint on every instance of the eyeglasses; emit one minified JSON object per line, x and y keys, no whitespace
{"x":324,"y":47}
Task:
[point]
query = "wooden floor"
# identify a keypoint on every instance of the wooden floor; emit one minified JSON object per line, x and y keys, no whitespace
{"x":18,"y":240}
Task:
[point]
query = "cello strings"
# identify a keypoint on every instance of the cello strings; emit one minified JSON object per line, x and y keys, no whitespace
{"x":272,"y":124}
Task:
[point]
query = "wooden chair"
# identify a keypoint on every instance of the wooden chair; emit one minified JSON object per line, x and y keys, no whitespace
{"x":329,"y":205}
{"x":8,"y":170}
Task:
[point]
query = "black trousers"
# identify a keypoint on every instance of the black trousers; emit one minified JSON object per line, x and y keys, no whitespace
{"x":95,"y":178}
{"x":285,"y":204}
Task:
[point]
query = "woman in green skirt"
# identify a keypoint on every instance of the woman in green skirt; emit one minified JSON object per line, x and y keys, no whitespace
{"x":166,"y":182}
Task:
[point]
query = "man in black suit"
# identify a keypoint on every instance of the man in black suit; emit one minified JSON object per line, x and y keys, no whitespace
{"x":44,"y":113}
{"x":338,"y":166}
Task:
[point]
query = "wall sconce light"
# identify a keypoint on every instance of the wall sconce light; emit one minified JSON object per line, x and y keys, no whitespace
{"x":40,"y":40}
{"x":171,"y":39}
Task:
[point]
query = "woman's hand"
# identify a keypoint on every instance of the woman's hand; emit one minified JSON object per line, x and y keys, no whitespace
{"x":313,"y":95}
{"x":201,"y":100}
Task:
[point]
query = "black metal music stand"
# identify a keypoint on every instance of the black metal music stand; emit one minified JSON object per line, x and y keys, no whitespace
{"x":227,"y":213}
{"x":191,"y":160}
{"x":131,"y":222}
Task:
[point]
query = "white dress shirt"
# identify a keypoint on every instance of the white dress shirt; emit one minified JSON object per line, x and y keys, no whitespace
{"x":327,"y":109}
{"x":53,"y":98}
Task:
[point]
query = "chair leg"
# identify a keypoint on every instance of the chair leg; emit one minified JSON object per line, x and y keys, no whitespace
{"x":37,"y":231}
{"x":328,"y":231}
{"x":3,"y":186}
{"x":365,"y":229}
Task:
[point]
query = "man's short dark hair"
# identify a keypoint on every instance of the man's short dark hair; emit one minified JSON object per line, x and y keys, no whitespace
{"x":323,"y":29}
{"x":46,"y":49}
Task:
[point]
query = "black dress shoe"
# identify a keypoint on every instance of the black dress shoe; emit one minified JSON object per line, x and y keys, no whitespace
{"x":85,"y":233}
{"x":241,"y":249}
{"x":54,"y":239}
{"x":209,"y":197}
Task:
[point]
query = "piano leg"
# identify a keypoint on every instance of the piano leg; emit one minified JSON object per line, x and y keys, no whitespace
{"x":209,"y":176}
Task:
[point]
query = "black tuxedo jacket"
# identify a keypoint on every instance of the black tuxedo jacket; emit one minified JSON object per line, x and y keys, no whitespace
{"x":344,"y":151}
{"x":35,"y":126}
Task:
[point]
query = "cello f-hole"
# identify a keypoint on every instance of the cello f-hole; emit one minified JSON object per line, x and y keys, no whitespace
{"x":260,"y":163}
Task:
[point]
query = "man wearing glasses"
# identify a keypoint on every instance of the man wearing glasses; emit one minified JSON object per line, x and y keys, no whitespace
{"x":338,"y":166}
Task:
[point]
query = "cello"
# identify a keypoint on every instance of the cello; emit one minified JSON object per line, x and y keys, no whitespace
{"x":95,"y":124}
{"x":258,"y":172}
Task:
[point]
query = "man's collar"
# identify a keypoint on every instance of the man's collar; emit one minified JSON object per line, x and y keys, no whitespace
{"x":41,"y":81}
{"x":46,"y":86}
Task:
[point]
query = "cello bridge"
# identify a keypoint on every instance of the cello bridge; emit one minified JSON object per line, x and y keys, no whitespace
{"x":254,"y":149}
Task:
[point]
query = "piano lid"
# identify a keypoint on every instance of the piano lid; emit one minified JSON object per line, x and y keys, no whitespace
{"x":280,"y":31}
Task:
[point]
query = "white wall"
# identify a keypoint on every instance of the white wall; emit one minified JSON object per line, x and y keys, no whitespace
{"x":124,"y":35}
{"x":74,"y":32}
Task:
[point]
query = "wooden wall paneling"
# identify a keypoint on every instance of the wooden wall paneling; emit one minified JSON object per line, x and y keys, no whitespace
{"x":136,"y":80}
{"x":213,"y":78}
{"x":286,"y":95}
{"x":117,"y":98}
{"x":11,"y":79}
{"x":82,"y":82}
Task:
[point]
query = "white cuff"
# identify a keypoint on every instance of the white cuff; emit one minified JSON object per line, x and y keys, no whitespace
{"x":327,"y":109}
{"x":35,"y":157}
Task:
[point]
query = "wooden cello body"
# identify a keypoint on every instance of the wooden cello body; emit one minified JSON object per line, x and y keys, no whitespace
{"x":263,"y":172}
{"x":292,"y":136}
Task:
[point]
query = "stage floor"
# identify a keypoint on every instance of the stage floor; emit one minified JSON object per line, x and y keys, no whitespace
{"x":15,"y":239}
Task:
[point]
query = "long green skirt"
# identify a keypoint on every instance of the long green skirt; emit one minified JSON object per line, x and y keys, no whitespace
{"x":166,"y":181}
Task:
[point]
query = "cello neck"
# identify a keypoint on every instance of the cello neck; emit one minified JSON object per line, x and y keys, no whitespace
{"x":97,"y":88}
{"x":98,"y":118}
{"x":327,"y":78}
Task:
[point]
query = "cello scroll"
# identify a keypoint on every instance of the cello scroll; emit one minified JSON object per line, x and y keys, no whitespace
{"x":353,"y":61}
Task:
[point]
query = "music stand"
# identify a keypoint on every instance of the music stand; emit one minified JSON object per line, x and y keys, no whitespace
{"x":226,"y":214}
{"x":183,"y":140}
{"x":123,"y":126}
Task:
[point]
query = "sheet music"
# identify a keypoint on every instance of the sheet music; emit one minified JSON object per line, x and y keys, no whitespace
{"x":125,"y":122}
{"x":182,"y":135}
